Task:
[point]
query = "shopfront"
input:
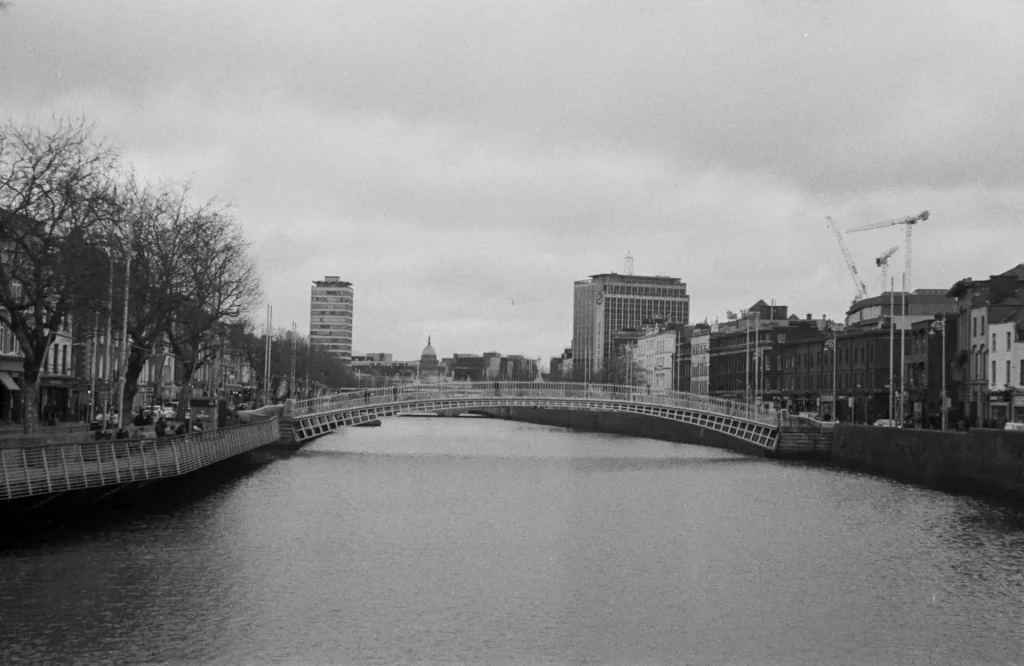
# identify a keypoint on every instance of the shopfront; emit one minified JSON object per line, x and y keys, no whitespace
{"x":10,"y":394}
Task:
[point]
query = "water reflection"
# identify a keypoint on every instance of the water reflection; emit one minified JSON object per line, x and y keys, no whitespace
{"x":489,"y":542}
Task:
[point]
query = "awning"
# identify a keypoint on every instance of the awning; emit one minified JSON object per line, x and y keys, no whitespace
{"x":8,"y":383}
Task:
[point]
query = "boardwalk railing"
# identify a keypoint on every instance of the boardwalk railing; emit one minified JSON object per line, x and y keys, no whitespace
{"x":763,"y":414}
{"x":41,"y":470}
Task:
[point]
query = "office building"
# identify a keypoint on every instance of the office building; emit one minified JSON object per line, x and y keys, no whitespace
{"x":330,"y":316}
{"x":608,"y":303}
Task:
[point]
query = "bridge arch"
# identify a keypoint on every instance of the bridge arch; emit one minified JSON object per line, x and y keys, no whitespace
{"x":308,"y":419}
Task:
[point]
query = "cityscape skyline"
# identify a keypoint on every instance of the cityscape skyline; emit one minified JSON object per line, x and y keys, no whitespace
{"x":442,"y":180}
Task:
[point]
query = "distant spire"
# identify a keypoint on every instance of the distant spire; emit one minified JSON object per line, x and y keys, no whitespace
{"x":428,"y":340}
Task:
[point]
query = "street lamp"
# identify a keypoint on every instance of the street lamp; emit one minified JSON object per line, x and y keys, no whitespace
{"x":939,"y":326}
{"x":830,"y":345}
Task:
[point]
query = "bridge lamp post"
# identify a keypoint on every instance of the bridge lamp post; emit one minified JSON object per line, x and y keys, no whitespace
{"x":939,"y":326}
{"x":830,"y":345}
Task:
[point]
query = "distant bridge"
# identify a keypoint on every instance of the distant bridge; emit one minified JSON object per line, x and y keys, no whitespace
{"x":758,"y":425}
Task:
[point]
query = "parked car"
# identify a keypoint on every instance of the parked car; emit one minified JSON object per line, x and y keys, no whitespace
{"x":886,"y":423}
{"x":1010,"y":425}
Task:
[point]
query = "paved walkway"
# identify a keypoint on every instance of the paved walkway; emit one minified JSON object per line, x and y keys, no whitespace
{"x":18,"y":428}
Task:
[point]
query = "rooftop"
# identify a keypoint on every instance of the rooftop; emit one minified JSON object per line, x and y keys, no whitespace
{"x":638,"y":279}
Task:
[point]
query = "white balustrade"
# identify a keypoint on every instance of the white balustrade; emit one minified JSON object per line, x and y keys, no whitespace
{"x":764,"y":414}
{"x":40,"y":470}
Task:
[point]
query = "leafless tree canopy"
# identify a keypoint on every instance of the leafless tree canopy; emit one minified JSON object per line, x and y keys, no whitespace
{"x":55,"y":192}
{"x":69,"y":216}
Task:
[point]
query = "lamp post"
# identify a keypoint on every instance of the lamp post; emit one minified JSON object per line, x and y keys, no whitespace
{"x":939,"y":326}
{"x":830,"y":345}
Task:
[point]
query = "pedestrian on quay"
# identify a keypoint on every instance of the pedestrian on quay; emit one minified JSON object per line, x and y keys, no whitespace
{"x":161,"y":427}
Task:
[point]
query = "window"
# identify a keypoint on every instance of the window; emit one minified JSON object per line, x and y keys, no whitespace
{"x":974,"y":320}
{"x":993,"y":371}
{"x":983,"y":324}
{"x":994,"y":347}
{"x":1007,"y":373}
{"x":1008,"y":337}
{"x":1021,"y":377}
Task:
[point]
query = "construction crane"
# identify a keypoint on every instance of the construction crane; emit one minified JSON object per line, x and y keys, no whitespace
{"x":862,"y":291}
{"x":883,"y":263}
{"x":909,"y":223}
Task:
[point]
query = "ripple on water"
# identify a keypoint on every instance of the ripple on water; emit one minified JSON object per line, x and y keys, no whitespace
{"x":471,"y":540}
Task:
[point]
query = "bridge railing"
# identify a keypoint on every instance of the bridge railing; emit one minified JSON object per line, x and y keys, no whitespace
{"x":409,"y":392}
{"x":31,"y":470}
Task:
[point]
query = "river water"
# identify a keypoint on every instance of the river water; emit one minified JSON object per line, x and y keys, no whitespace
{"x":483,"y":541}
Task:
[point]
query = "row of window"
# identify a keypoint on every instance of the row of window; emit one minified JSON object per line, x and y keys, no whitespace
{"x":1009,"y":379}
{"x":331,"y":299}
{"x":639,"y":290}
{"x":818,"y":382}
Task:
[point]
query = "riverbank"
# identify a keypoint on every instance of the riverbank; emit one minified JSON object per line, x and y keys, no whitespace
{"x":979,"y":461}
{"x":982,"y":461}
{"x":623,"y":423}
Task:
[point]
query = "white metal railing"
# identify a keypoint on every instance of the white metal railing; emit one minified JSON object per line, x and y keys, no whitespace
{"x":40,"y":470}
{"x":764,"y":414}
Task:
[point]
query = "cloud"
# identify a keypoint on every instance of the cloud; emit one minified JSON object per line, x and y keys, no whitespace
{"x":449,"y":157}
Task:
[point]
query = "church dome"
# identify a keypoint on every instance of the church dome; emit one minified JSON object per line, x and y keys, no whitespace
{"x":428,"y":350}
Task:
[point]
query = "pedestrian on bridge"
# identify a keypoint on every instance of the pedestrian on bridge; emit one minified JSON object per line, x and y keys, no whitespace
{"x":366,"y":396}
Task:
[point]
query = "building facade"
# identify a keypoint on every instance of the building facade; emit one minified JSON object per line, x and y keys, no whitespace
{"x":744,"y":354}
{"x":924,"y":376}
{"x":330,"y":316}
{"x":859,"y":371}
{"x":683,"y":361}
{"x":654,"y":353}
{"x":700,"y":359}
{"x":979,"y":303}
{"x":607,"y":303}
{"x":1006,"y":376}
{"x":878,"y":311}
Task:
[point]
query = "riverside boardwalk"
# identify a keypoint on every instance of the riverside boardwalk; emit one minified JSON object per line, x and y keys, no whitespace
{"x":64,"y":458}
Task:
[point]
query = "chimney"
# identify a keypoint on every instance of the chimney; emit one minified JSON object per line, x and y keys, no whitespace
{"x":808,"y":316}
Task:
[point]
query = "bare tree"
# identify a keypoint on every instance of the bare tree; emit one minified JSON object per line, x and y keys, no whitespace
{"x":221,"y":285}
{"x":153,"y":227}
{"x":55,"y":191}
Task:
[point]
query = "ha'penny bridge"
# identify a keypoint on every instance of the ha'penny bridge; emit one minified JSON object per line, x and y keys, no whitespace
{"x":758,"y":425}
{"x":40,"y":473}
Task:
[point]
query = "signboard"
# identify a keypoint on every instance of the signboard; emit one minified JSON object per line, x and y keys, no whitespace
{"x":204,"y":411}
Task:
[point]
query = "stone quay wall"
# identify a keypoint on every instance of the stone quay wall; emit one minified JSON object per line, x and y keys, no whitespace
{"x":981,"y":460}
{"x":622,"y":423}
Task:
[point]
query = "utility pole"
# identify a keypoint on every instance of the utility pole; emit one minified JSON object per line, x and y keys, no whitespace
{"x":125,"y":348}
{"x":757,"y":357}
{"x":93,"y":365}
{"x":291,"y":378}
{"x":892,"y":331}
{"x":746,"y":355}
{"x":110,"y":331}
{"x":903,"y":346}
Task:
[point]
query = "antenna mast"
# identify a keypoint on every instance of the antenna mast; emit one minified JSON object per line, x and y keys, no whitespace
{"x":629,"y":264}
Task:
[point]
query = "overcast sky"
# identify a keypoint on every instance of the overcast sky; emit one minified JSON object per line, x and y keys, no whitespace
{"x":449,"y":157}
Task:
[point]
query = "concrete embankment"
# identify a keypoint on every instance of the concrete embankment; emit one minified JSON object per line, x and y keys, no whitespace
{"x":987,"y":462}
{"x":619,"y":423}
{"x":981,"y":461}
